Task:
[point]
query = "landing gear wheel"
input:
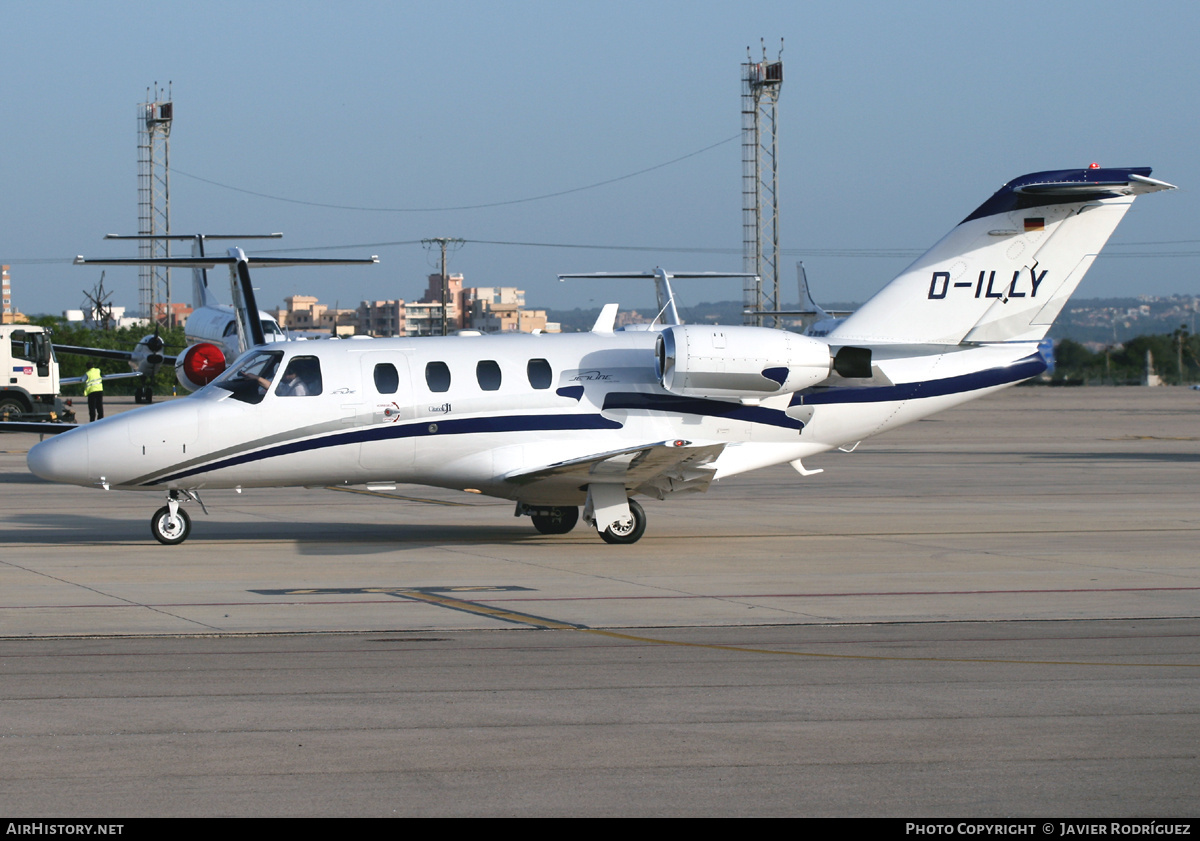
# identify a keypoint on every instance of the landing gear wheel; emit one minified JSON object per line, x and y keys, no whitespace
{"x":629,"y":531}
{"x":560,"y":520}
{"x":169,"y":530}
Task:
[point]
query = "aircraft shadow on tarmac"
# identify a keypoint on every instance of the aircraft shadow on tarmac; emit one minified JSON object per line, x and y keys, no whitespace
{"x":311,"y":538}
{"x":21,"y":479}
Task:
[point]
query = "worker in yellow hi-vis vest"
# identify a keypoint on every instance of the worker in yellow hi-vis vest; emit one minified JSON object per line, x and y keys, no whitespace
{"x":94,"y":389}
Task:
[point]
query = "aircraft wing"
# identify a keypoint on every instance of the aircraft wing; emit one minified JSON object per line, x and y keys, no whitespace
{"x":34,"y":426}
{"x":104,"y":353}
{"x":98,"y":352}
{"x":148,"y":361}
{"x":652,"y":469}
{"x":104,"y":378}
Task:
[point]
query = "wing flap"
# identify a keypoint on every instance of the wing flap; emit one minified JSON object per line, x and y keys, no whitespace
{"x":656,"y":469}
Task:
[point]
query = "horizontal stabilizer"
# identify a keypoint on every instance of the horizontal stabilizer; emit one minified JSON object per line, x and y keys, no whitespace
{"x":214,"y":261}
{"x":668,"y":311}
{"x":192,"y":237}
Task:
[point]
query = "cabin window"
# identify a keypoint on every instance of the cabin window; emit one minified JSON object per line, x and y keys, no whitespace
{"x":540,"y":375}
{"x":488,"y":374}
{"x":249,"y":380}
{"x":387,"y":379}
{"x":301,"y":379}
{"x":437,"y":375}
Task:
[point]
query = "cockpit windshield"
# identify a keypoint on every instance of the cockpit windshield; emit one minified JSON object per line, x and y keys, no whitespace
{"x":251,"y":378}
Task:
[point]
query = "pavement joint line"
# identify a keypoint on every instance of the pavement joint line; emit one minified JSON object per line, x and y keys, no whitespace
{"x":883,"y":657}
{"x":128,"y":602}
{"x":553,"y":624}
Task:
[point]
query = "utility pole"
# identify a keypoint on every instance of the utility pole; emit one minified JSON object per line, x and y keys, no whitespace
{"x":443,"y":242}
{"x":1181,"y":336}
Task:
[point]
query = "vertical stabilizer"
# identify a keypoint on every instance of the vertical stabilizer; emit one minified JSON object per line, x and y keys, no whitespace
{"x":806,"y":299}
{"x":1005,"y":272}
{"x":200,"y":297}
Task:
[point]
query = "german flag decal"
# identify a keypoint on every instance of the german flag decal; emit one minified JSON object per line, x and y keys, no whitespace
{"x":1035,"y":223}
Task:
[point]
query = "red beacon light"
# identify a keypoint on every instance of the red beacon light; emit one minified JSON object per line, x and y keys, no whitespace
{"x":1094,"y":165}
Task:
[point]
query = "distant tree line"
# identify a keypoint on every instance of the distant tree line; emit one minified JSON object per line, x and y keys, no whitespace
{"x":1176,"y":359}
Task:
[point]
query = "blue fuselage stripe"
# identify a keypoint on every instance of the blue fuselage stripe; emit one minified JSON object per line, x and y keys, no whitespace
{"x":425,"y":428}
{"x":1022,"y":369}
{"x":676,"y":405}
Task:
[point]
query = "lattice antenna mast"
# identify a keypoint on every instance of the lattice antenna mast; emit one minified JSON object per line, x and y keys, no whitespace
{"x":154,"y":197}
{"x":761,"y":82}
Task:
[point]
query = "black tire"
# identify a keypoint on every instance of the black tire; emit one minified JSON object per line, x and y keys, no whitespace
{"x":11,"y":409}
{"x":167,"y":532}
{"x":560,"y":520}
{"x":631,"y":532}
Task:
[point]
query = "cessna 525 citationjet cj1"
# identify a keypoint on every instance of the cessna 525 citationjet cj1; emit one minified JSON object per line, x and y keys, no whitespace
{"x":555,"y":422}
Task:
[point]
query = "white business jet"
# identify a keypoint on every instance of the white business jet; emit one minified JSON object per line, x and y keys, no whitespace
{"x":555,"y":422}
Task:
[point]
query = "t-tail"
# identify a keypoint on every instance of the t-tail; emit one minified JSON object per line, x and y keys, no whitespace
{"x":1006,"y":271}
{"x":201,"y":297}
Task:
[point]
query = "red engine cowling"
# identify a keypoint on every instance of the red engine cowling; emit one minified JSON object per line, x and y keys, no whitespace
{"x":199,"y":365}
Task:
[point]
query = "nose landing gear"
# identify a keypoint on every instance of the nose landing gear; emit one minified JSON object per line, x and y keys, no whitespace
{"x":170,"y":524}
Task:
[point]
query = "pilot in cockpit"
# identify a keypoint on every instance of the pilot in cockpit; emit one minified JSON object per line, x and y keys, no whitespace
{"x":301,"y":379}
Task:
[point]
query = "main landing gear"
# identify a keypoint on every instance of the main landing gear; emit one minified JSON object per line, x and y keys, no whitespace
{"x":628,"y":530}
{"x":170,"y":524}
{"x":619,"y":528}
{"x":554,"y":519}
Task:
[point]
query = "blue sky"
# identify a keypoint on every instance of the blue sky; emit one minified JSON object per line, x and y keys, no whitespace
{"x":896,"y":120}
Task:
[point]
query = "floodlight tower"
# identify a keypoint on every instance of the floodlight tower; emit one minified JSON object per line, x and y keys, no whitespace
{"x":761,"y":81}
{"x":154,"y":196}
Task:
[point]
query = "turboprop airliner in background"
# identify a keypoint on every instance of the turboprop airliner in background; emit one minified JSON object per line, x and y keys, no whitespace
{"x":556,"y":422}
{"x":220,"y":331}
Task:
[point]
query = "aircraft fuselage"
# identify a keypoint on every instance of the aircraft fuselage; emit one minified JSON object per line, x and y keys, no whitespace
{"x":474,"y":412}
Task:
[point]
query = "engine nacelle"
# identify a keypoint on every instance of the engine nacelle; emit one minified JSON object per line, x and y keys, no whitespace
{"x":199,"y":365}
{"x":744,"y":363}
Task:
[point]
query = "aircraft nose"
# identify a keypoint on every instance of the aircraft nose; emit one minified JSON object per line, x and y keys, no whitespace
{"x":63,"y":458}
